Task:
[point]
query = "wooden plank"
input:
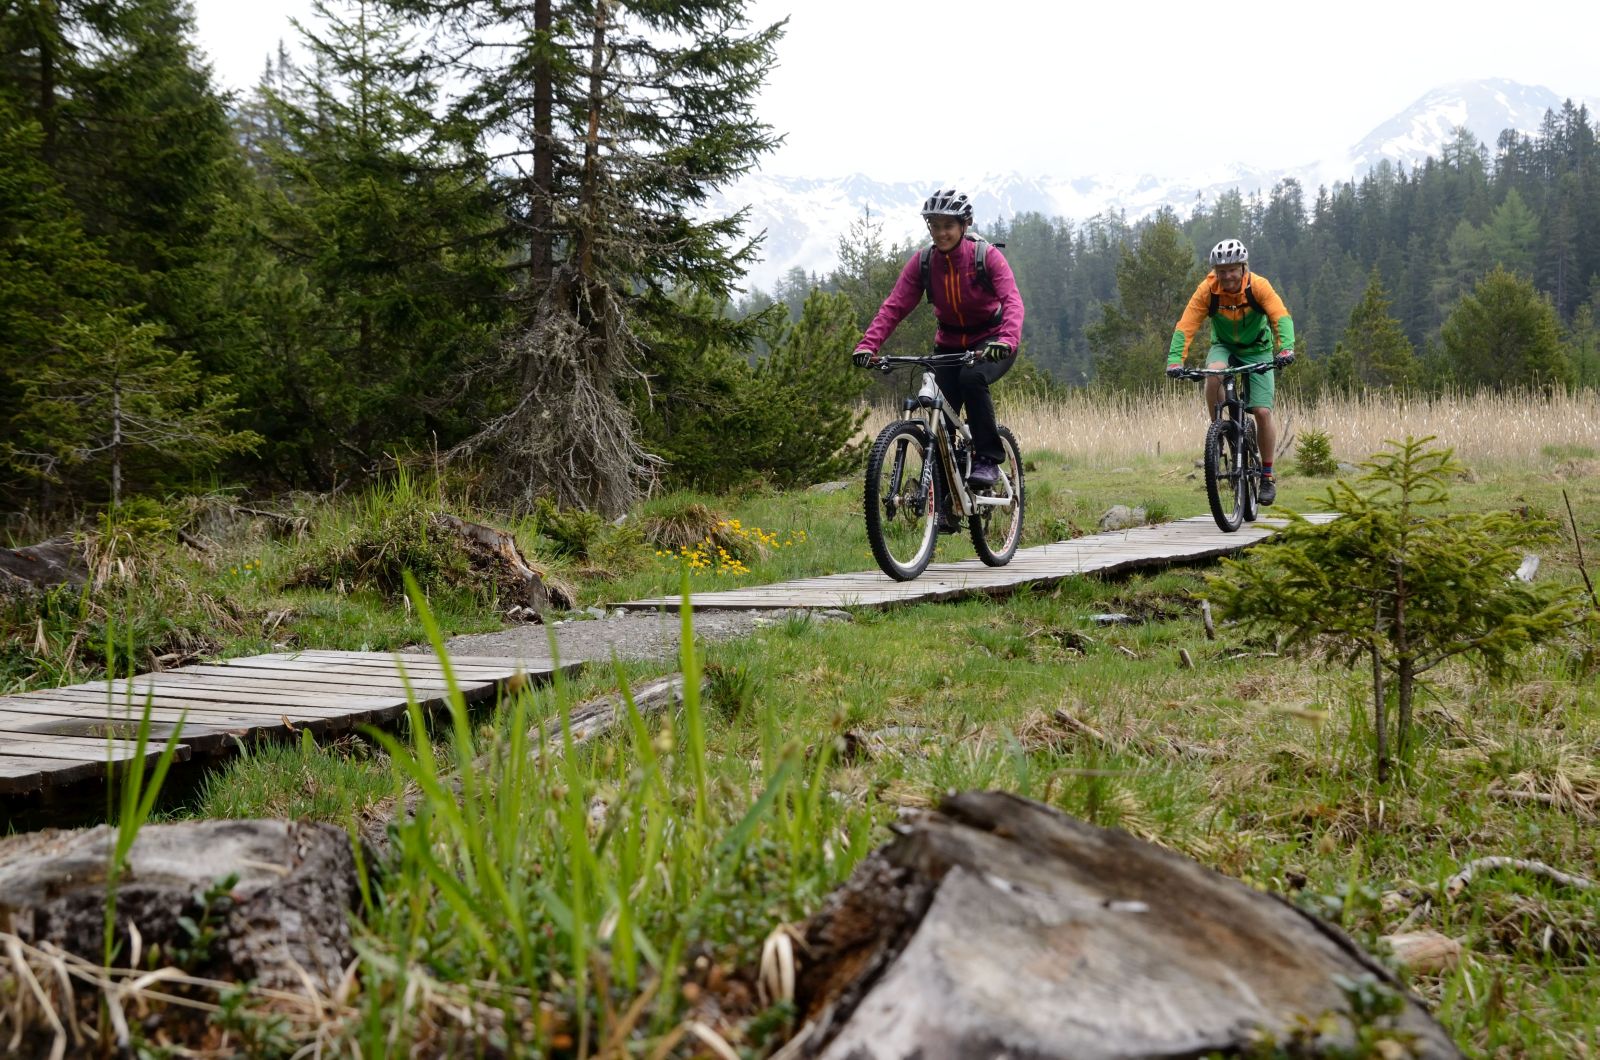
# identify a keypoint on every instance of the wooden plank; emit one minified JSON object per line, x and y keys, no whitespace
{"x":19,"y":775}
{"x":48,"y":748}
{"x":71,"y":720}
{"x":88,"y":743}
{"x":172,"y":705}
{"x":220,"y":688}
{"x":278,"y":669}
{"x":302,"y":685}
{"x":504,"y":663}
{"x":420,"y":664}
{"x":33,"y":774}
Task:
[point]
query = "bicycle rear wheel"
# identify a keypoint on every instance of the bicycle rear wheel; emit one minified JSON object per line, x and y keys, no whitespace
{"x":1224,"y":468}
{"x":902,"y":500}
{"x":1250,"y":482}
{"x":997,"y":530}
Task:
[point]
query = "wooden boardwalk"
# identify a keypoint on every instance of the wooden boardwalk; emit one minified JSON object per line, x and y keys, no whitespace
{"x":55,"y":738}
{"x":1184,"y":540}
{"x":62,"y":736}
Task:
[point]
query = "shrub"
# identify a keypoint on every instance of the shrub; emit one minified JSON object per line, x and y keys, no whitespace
{"x":1313,"y":454}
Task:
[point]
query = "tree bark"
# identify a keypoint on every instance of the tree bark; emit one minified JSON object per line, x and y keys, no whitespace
{"x":588,"y":209}
{"x":996,"y":926}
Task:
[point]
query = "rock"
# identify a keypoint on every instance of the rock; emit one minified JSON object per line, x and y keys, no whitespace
{"x":831,"y":487}
{"x":1528,"y":569}
{"x":834,"y":614}
{"x":1425,"y":952}
{"x":1121,"y":517}
{"x":595,"y":612}
{"x":1348,"y":469}
{"x":996,"y":926}
{"x":289,"y":908}
{"x":1111,"y":618}
{"x":58,"y":561}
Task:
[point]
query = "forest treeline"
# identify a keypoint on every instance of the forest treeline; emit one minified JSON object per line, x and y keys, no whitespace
{"x":1395,"y":279}
{"x":474,"y":231}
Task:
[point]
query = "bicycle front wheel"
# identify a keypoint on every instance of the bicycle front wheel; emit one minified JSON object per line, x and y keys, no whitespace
{"x":1224,"y":475}
{"x":997,"y":529}
{"x":1250,"y":481}
{"x":902,"y":500}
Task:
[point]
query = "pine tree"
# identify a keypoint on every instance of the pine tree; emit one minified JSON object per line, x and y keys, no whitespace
{"x":612,"y":121}
{"x":1154,"y":281}
{"x":376,"y":239}
{"x":113,"y":396}
{"x":1504,"y":335}
{"x":1380,"y":352}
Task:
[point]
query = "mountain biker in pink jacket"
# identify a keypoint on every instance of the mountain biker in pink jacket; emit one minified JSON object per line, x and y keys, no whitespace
{"x":976,"y":303}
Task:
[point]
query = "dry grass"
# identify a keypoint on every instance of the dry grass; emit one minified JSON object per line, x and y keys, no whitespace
{"x":1484,"y":429}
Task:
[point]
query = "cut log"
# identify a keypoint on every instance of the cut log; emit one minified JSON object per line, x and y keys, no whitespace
{"x":593,"y":717}
{"x":493,"y":553}
{"x":286,"y":917}
{"x":996,"y":926}
{"x":34,"y":568}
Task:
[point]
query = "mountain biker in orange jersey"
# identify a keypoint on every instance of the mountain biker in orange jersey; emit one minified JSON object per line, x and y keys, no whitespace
{"x":976,"y":302}
{"x":1249,"y":325}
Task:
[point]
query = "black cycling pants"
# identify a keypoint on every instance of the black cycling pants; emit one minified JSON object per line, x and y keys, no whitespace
{"x":968,"y":387}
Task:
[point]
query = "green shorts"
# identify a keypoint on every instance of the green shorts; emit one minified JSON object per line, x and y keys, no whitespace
{"x":1262,"y":386}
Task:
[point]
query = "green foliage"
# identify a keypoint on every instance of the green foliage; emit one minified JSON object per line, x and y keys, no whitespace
{"x":113,"y":397}
{"x":1313,"y":454}
{"x":386,"y":535}
{"x":1504,"y":335}
{"x":717,"y":422}
{"x":1380,"y":353}
{"x":1154,"y":281}
{"x":374,"y":256}
{"x":1400,"y":581}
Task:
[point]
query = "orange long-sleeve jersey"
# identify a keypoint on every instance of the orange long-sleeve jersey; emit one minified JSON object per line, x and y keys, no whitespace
{"x":1236,"y":324}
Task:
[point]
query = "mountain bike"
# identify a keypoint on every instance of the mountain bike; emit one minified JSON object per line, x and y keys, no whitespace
{"x":1232,"y":459}
{"x":917,"y":488}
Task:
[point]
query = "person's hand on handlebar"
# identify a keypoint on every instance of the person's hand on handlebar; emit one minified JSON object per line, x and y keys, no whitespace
{"x":996,"y":351}
{"x":863,"y":357}
{"x":1175,"y":371}
{"x":1284,"y":359}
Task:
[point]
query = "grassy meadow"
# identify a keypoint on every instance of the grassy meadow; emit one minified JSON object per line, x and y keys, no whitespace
{"x":614,"y":900}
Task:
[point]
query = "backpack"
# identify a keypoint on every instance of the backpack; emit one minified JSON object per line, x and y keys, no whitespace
{"x":981,"y":263}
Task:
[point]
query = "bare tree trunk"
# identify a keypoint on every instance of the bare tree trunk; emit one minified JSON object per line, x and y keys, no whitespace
{"x":591,"y":147}
{"x":1406,"y":673}
{"x":540,"y":264}
{"x":116,"y":444}
{"x":45,"y":29}
{"x":1380,"y":713}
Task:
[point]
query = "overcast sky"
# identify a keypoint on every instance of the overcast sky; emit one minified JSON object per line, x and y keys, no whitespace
{"x":916,"y":89}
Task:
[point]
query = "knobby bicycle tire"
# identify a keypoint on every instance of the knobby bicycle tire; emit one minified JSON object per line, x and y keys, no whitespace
{"x":1223,"y":469}
{"x":1250,"y":481}
{"x":901,"y":516}
{"x":1004,"y":525}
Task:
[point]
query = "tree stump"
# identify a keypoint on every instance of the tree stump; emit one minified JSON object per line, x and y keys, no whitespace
{"x":493,"y":553}
{"x":996,"y":926}
{"x":288,"y":910}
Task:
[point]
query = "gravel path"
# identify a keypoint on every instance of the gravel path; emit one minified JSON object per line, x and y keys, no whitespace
{"x":630,"y":635}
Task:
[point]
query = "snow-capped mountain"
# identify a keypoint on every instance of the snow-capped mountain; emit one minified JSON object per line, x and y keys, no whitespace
{"x":804,"y":217}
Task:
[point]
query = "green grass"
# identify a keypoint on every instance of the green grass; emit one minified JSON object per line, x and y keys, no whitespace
{"x":584,"y":881}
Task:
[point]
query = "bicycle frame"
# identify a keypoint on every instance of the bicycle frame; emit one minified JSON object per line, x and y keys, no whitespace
{"x":946,"y":429}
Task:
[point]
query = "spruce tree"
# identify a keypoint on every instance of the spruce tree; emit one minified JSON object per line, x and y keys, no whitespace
{"x":1504,"y":335}
{"x":1155,"y":279}
{"x":1381,"y":354}
{"x":374,"y":236}
{"x":611,"y":121}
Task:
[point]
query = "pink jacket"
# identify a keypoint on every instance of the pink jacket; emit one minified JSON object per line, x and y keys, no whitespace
{"x":958,"y":299}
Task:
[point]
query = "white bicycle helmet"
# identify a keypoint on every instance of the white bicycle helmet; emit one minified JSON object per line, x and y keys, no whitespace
{"x":1229,"y":252}
{"x":948,"y":203}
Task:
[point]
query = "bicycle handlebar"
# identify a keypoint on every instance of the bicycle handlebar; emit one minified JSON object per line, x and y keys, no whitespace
{"x":1238,"y":369}
{"x":934,"y":360}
